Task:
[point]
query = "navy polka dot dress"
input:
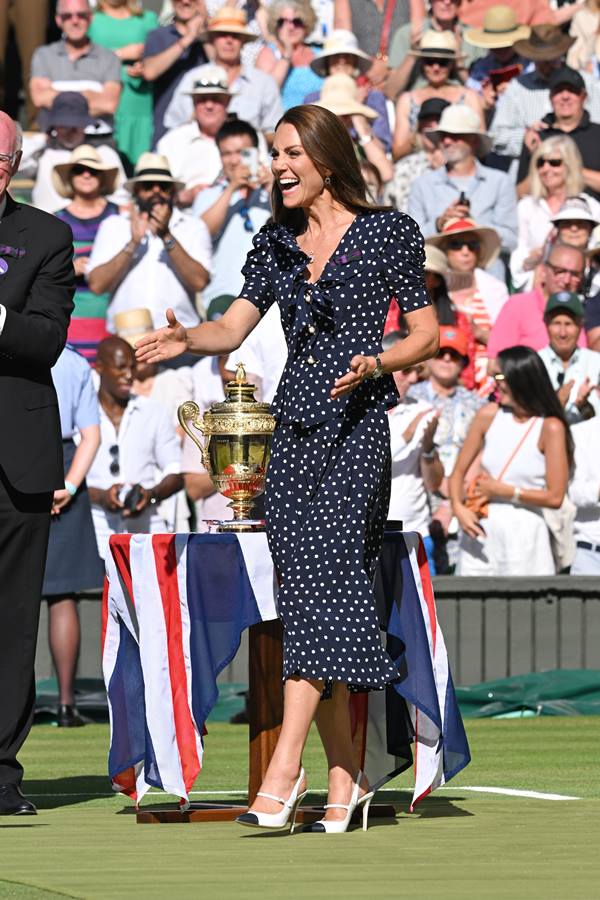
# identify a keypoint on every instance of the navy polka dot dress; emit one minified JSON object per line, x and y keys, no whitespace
{"x":329,"y":475}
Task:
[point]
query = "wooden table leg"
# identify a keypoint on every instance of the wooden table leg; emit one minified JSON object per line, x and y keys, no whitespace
{"x":265,"y":699}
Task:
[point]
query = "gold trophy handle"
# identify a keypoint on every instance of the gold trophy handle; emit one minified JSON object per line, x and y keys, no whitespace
{"x":189,"y":415}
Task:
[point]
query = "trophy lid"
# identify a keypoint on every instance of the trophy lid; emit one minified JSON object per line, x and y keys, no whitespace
{"x":239,"y":401}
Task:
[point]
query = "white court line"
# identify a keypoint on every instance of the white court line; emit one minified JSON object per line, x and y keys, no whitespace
{"x":512,"y":792}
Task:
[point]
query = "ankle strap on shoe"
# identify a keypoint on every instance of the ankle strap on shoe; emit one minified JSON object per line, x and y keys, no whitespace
{"x":272,"y":797}
{"x":337,"y":806}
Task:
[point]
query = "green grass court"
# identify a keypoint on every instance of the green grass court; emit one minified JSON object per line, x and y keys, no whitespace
{"x":459,"y":845}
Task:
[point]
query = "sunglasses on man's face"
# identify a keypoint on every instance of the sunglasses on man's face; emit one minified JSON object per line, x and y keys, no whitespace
{"x":555,"y":163}
{"x":66,"y":17}
{"x":458,"y":243}
{"x":284,"y":20}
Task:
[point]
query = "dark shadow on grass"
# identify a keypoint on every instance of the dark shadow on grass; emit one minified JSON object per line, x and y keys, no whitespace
{"x":24,"y":825}
{"x":53,"y":793}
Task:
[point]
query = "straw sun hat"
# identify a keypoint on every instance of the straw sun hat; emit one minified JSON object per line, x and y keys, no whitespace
{"x":460,"y":119}
{"x":132,"y":324}
{"x":437,"y":44}
{"x":84,"y":156}
{"x":340,"y":41}
{"x":500,"y":29}
{"x":152,"y":167}
{"x":339,"y":95}
{"x":488,"y":238}
{"x":228,"y":20}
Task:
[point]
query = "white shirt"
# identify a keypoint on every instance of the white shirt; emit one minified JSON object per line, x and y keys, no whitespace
{"x":584,"y":489}
{"x":43,"y":194}
{"x":152,"y":280}
{"x":583,"y":364}
{"x":146,"y":440}
{"x":264,"y":353}
{"x":409,"y":502}
{"x":193,"y":157}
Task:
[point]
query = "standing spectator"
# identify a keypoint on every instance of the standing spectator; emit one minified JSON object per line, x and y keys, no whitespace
{"x":155,"y":254}
{"x":287,"y":58}
{"x":567,"y":97}
{"x":521,"y":319}
{"x":85,"y":181}
{"x":122,"y":26}
{"x":531,"y":12}
{"x":29,"y":19}
{"x":73,"y":564}
{"x":67,"y":121}
{"x":169,"y":52}
{"x":527,"y":453}
{"x":256,"y":98}
{"x":234,"y":208}
{"x":425,"y":155}
{"x":574,"y":371}
{"x":584,"y":492}
{"x":555,"y":175}
{"x":191,"y":149}
{"x":463,"y":186}
{"x":500,"y":32}
{"x":75,"y":63}
{"x":585,"y":26}
{"x":138,"y":437}
{"x":469,"y":249}
{"x":438,"y":55}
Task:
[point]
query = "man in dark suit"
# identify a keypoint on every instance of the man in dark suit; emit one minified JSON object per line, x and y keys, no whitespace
{"x":36,"y":290}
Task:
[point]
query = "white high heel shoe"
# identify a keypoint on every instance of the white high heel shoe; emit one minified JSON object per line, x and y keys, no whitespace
{"x":339,"y":827}
{"x":280,"y":819}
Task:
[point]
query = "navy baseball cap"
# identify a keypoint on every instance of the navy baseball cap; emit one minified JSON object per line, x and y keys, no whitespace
{"x":567,"y":77}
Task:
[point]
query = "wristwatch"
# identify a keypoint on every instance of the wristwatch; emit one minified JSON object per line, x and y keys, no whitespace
{"x":378,"y":370}
{"x":169,"y":242}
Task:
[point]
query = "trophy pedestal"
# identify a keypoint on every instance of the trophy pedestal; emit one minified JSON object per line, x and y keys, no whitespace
{"x":232,"y":526}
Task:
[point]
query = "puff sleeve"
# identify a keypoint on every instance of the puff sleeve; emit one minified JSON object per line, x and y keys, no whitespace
{"x":258,"y":288}
{"x":403,"y":261}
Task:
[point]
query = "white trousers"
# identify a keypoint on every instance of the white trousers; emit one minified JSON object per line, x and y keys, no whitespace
{"x":516,"y":542}
{"x":586,"y":562}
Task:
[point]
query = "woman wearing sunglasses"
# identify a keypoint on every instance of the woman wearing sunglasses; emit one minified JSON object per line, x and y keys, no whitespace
{"x":287,"y":57}
{"x":555,"y":175}
{"x":438,"y":55}
{"x":469,"y":249}
{"x":86,"y":181}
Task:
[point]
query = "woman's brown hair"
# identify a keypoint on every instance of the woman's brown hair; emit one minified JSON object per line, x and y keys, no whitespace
{"x":326,"y":141}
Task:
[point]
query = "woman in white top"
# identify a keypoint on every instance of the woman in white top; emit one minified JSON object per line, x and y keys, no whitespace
{"x":527,"y":453}
{"x":555,"y":174}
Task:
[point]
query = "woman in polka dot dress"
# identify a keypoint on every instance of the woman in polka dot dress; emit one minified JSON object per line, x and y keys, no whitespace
{"x":332,"y":262}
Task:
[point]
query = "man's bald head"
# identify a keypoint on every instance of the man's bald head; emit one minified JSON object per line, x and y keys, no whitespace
{"x":111,"y":347}
{"x":10,"y":150}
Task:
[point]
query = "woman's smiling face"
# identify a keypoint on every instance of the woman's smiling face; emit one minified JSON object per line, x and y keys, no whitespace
{"x":299,"y":180}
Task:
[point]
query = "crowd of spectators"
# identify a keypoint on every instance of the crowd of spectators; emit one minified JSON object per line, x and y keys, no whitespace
{"x":147,"y":129}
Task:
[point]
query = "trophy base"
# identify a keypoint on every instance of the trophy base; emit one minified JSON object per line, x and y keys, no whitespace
{"x":222,"y":526}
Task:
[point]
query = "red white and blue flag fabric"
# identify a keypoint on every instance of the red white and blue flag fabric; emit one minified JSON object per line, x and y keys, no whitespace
{"x":174,"y":610}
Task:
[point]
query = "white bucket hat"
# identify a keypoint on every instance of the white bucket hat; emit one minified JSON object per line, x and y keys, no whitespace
{"x":576,"y":208}
{"x":340,"y":41}
{"x":339,"y":95}
{"x":460,"y":119}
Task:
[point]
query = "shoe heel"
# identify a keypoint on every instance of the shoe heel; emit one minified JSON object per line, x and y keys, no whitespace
{"x":299,"y":800}
{"x":365,"y":814}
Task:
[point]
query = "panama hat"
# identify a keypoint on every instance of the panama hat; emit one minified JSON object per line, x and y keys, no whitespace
{"x":209,"y":79}
{"x":228,"y":20}
{"x":133,"y":324}
{"x":436,"y":260}
{"x":83,"y":156}
{"x":339,"y":95}
{"x":488,"y":237}
{"x":460,"y":119}
{"x":500,"y":29}
{"x":545,"y":42}
{"x":152,"y":167}
{"x":340,"y":41}
{"x":440,"y":44}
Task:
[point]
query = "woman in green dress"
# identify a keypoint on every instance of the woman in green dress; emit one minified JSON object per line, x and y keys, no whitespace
{"x":122,"y":26}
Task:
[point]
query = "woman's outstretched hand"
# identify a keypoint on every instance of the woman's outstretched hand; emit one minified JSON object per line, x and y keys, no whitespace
{"x":361,"y":367}
{"x":165,"y":343}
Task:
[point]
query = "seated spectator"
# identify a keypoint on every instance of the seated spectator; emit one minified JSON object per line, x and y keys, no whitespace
{"x":463,"y":186}
{"x":526,"y":453}
{"x":585,"y":26}
{"x":438,"y":55}
{"x":122,"y":26}
{"x":584,"y":492}
{"x":67,"y":121}
{"x":574,"y":371}
{"x":521,"y":319}
{"x":341,"y":53}
{"x":554,"y":176}
{"x":287,"y":57}
{"x":85,"y":181}
{"x":575,"y":222}
{"x":443,"y":16}
{"x":137,"y":438}
{"x":426,"y":155}
{"x":75,"y":63}
{"x":169,"y":52}
{"x":531,"y":12}
{"x":372,"y":179}
{"x":191,"y":149}
{"x":340,"y":96}
{"x":489,"y":74}
{"x":469,"y":249}
{"x":255,"y":94}
{"x":153,"y":253}
{"x":567,"y":97}
{"x":235,"y":207}
{"x":29,"y":21}
{"x":526,"y":100}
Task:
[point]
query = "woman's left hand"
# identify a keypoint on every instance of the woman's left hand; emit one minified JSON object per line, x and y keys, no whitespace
{"x":60,"y":499}
{"x":361,"y":367}
{"x":491,"y":489}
